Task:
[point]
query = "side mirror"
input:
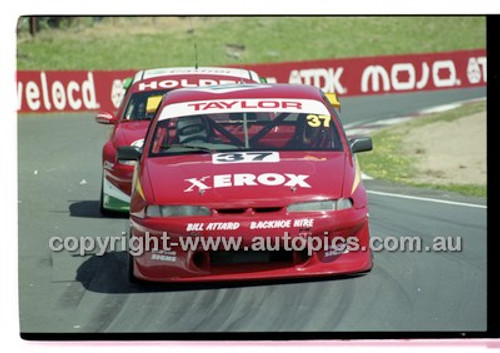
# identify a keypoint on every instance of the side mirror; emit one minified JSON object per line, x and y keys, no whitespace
{"x":128,"y":153}
{"x":361,"y":144}
{"x":106,"y":118}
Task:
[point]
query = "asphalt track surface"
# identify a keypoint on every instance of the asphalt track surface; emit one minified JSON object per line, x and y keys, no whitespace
{"x":59,"y":181}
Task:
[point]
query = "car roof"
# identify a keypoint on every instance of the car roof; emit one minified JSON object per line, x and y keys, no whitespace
{"x":245,"y":90}
{"x":242,"y":97}
{"x":186,"y":71}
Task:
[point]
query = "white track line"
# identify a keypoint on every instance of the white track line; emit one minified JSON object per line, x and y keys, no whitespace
{"x":401,"y":196}
{"x":365,"y":176}
{"x":391,"y":121}
{"x":440,"y":108}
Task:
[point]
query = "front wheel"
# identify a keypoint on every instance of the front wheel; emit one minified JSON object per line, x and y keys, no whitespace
{"x":130,"y":269}
{"x":130,"y":263}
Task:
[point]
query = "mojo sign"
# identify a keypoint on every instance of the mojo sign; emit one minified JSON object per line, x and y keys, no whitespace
{"x":383,"y":74}
{"x":403,"y":76}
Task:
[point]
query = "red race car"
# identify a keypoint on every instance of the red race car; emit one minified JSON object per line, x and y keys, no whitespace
{"x":131,"y":122}
{"x":247,"y":181}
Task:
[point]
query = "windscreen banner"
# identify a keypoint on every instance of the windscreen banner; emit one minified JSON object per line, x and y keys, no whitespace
{"x":73,"y":91}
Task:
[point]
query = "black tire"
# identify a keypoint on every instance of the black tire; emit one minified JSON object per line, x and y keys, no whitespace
{"x":130,"y":269}
{"x":130,"y":263}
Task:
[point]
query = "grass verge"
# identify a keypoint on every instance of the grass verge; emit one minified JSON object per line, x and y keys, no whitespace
{"x":393,"y":161}
{"x":139,"y":42}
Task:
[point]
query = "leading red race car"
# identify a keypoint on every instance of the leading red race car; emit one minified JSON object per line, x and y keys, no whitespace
{"x":229,"y":175}
{"x":134,"y":114}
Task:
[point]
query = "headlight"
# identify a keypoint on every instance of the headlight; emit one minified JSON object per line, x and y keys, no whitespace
{"x":328,"y":205}
{"x":127,"y":162}
{"x":176,"y":211}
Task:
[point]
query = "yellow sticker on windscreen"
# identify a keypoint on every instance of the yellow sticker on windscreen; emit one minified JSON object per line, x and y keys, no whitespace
{"x":153,"y":103}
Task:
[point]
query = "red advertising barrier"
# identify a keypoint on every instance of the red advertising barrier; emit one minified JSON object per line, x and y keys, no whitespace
{"x":51,"y":91}
{"x":384,"y":74}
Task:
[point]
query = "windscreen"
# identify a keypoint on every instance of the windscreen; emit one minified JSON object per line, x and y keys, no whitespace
{"x":137,"y":106}
{"x":254,"y":131}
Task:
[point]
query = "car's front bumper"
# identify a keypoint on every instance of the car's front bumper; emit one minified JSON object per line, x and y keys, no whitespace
{"x":193,"y":265}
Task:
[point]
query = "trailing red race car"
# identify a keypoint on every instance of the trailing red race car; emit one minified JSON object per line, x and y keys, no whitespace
{"x":231,"y":174}
{"x":131,"y":122}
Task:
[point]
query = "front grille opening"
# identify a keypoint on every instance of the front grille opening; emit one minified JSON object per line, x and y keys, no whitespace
{"x":200,"y":260}
{"x":224,"y":258}
{"x":231,"y":210}
{"x":301,"y":257}
{"x":267,"y":209}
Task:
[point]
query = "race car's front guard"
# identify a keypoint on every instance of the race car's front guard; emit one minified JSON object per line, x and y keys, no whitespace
{"x":113,"y":199}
